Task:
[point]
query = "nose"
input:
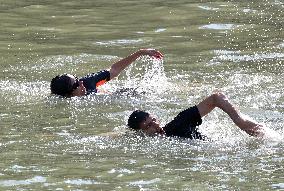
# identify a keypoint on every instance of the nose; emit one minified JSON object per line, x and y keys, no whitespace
{"x":156,"y":125}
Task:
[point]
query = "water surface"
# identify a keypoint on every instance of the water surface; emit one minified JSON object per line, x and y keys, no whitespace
{"x":49,"y":143}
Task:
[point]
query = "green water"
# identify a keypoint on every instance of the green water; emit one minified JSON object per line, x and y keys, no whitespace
{"x":48,"y":143}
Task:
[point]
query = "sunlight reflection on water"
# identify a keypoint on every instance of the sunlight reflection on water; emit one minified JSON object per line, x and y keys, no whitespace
{"x":34,"y":180}
{"x":219,"y":26}
{"x":56,"y":144}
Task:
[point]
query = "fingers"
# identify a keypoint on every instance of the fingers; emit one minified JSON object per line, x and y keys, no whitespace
{"x":157,"y":54}
{"x":256,"y":131}
{"x":154,"y":53}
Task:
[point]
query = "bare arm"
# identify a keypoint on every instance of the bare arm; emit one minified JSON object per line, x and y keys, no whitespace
{"x":221,"y":101}
{"x":117,"y":67}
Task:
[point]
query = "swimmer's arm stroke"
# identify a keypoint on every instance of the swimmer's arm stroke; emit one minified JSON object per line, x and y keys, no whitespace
{"x":221,"y":101}
{"x":117,"y":67}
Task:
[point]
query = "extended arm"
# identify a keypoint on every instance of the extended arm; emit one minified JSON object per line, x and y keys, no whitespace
{"x":117,"y":67}
{"x":221,"y":101}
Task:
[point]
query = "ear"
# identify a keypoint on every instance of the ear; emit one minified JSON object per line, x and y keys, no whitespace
{"x":75,"y":92}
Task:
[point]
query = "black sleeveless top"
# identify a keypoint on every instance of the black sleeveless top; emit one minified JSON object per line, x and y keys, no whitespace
{"x":185,"y":124}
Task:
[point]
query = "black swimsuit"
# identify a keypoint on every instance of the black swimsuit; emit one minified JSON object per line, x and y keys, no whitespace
{"x":185,"y":124}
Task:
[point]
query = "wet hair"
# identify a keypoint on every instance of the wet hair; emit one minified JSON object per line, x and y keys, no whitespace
{"x":61,"y":85}
{"x":136,"y":118}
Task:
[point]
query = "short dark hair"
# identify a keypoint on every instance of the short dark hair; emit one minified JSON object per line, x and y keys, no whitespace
{"x":136,"y":118}
{"x":61,"y":85}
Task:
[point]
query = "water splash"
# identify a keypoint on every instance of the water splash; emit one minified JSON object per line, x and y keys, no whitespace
{"x":144,"y":77}
{"x":22,"y":92}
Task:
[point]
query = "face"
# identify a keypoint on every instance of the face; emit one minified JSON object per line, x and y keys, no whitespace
{"x":151,"y":126}
{"x":80,"y":90}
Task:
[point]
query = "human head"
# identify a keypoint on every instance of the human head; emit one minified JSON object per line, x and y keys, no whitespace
{"x":136,"y":118}
{"x":144,"y":121}
{"x":67,"y":85}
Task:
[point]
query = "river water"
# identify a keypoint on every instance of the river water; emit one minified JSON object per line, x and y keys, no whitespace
{"x":50,"y":143}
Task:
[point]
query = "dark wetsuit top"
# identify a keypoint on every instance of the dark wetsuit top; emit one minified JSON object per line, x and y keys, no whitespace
{"x":185,"y":125}
{"x":92,"y":81}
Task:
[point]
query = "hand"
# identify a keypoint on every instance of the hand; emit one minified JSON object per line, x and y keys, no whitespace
{"x":151,"y":52}
{"x":117,"y":67}
{"x":256,"y":131}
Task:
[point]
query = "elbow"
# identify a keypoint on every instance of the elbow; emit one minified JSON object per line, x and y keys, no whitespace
{"x":113,"y":72}
{"x":218,"y":98}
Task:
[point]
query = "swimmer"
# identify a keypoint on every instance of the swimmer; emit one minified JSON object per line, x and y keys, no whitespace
{"x":186,"y":123}
{"x":67,"y":85}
